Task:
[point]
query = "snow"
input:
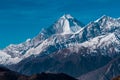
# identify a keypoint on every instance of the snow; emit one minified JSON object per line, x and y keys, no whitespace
{"x":66,"y":27}
{"x":108,"y":39}
{"x":67,"y":16}
{"x":108,"y":22}
{"x":6,"y":59}
{"x":16,"y":53}
{"x":103,"y":17}
{"x":28,"y":40}
{"x":64,"y":23}
{"x":100,"y":41}
{"x":37,"y":50}
{"x":97,"y":42}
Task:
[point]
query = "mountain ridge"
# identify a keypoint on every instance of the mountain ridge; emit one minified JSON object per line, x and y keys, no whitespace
{"x":81,"y":35}
{"x":67,"y":44}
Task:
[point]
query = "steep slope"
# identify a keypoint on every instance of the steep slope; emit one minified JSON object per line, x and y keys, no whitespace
{"x":58,"y":34}
{"x":65,"y":26}
{"x":67,"y":44}
{"x":97,"y":41}
{"x":102,"y":27}
{"x":108,"y":72}
{"x":74,"y":64}
{"x":100,"y":49}
{"x":62,"y":34}
{"x":7,"y":59}
{"x":108,"y":44}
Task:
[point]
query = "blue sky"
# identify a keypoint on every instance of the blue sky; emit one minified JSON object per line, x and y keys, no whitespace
{"x":22,"y":19}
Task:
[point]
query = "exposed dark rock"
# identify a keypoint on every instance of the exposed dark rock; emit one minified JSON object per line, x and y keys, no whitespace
{"x":6,"y":74}
{"x":116,"y":78}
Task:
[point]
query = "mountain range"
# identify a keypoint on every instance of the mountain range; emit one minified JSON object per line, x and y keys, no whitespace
{"x":69,"y":46}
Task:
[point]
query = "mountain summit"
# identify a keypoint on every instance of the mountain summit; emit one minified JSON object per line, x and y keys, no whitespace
{"x":69,"y":24}
{"x":64,"y":45}
{"x":65,"y":25}
{"x":65,"y":32}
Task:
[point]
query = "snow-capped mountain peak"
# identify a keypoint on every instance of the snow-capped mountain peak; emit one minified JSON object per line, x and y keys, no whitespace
{"x":103,"y":18}
{"x":64,"y":25}
{"x":107,"y":19}
{"x":67,"y":25}
{"x":108,"y":23}
{"x":67,"y":16}
{"x":65,"y":32}
{"x":102,"y":26}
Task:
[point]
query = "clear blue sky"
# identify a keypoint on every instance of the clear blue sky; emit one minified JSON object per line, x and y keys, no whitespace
{"x":22,"y":19}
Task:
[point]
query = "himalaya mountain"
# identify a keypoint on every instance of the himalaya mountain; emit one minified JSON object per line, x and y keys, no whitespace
{"x":67,"y":46}
{"x":107,"y":72}
{"x":54,"y":35}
